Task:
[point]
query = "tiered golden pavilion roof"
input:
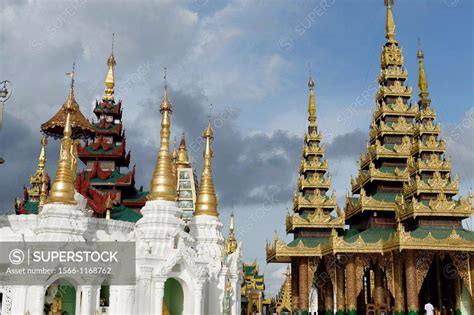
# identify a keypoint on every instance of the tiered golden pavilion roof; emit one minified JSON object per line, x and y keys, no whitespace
{"x":283,"y":299}
{"x":430,"y":190}
{"x":311,"y":219}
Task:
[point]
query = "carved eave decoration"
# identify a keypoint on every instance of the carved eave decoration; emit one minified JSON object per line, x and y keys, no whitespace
{"x":428,"y":128}
{"x":375,"y":174}
{"x":431,"y":145}
{"x":397,"y":89}
{"x":313,"y":136}
{"x":317,"y":200}
{"x":401,"y":127}
{"x":434,"y":163}
{"x":314,"y":165}
{"x":364,"y":203}
{"x":436,"y":184}
{"x":391,"y":55}
{"x":314,"y":182}
{"x":399,"y":108}
{"x":377,"y":150}
{"x":313,"y":149}
{"x":392,"y":73}
{"x":317,"y":219}
{"x":426,"y":113}
{"x":439,"y":207}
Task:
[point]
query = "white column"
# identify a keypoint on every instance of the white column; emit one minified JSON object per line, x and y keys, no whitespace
{"x":235,"y":296}
{"x":114,"y":300}
{"x":198,"y":287}
{"x":128,"y":299}
{"x":143,"y":291}
{"x":35,"y":303}
{"x":86,"y":300}
{"x":158,"y":296}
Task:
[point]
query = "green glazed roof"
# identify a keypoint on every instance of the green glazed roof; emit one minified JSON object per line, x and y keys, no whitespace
{"x":371,"y":235}
{"x":31,"y":207}
{"x":123,"y":213}
{"x":308,"y":241}
{"x":441,"y":233}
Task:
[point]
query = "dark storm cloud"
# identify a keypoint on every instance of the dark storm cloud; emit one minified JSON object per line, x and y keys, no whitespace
{"x":348,"y":145}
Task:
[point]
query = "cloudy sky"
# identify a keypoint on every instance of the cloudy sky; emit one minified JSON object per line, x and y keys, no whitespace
{"x":249,"y":59}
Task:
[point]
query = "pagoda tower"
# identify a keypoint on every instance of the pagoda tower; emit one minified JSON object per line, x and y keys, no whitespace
{"x":107,"y":160}
{"x":315,"y":218}
{"x":283,"y":299}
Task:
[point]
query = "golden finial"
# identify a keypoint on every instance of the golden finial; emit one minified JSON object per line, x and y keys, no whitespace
{"x":62,"y":190}
{"x":41,"y":170}
{"x":70,"y":101}
{"x":109,"y":79}
{"x":163,"y":185}
{"x":207,"y":201}
{"x":231,"y":243}
{"x":390,"y":23}
{"x":183,"y":158}
{"x":108,"y":207}
{"x":44,"y":189}
{"x":422,"y":82}
{"x":311,"y":105}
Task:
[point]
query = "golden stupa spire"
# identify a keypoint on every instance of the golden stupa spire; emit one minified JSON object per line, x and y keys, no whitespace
{"x":390,"y":23}
{"x":231,"y":242}
{"x":163,"y":185}
{"x":207,"y":201}
{"x":311,"y":104}
{"x":62,"y":190}
{"x":183,"y":158}
{"x":422,"y":82}
{"x":109,"y":79}
{"x":42,"y":172}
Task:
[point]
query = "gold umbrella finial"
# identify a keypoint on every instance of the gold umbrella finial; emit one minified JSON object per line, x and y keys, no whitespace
{"x":183,"y":157}
{"x":163,"y":185}
{"x":206,"y":203}
{"x":62,"y":190}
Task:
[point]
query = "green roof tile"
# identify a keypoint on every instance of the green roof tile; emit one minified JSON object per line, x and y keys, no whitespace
{"x":308,"y":241}
{"x":371,"y":235}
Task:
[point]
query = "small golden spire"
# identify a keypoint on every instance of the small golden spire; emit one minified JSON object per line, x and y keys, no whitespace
{"x":42,"y":156}
{"x":174,"y":166}
{"x":109,"y":79}
{"x":390,"y":23}
{"x":62,"y":190}
{"x":183,"y":158}
{"x":108,"y":207}
{"x":163,"y":185}
{"x":422,"y":82}
{"x":311,"y":105}
{"x":207,"y":201}
{"x":231,"y":243}
{"x":44,"y":189}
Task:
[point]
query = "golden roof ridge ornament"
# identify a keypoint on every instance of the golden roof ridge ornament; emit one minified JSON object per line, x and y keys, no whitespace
{"x":422,"y":81}
{"x":207,"y":200}
{"x":390,"y":23}
{"x":163,"y":185}
{"x":311,"y":104}
{"x":62,"y":190}
{"x":109,"y":79}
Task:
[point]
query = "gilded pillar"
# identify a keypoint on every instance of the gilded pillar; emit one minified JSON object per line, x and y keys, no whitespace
{"x":340,"y":302}
{"x":399,"y":292}
{"x":471,"y":272}
{"x":378,"y":290}
{"x":294,"y":284}
{"x":303,"y":284}
{"x":410,"y":273}
{"x":351,"y":303}
{"x":328,"y":299}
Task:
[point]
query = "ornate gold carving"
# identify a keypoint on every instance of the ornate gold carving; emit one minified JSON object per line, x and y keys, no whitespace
{"x":397,"y":89}
{"x":434,"y":163}
{"x":377,"y":150}
{"x":314,"y":165}
{"x":314,"y":181}
{"x":391,"y":55}
{"x":317,"y":219}
{"x":313,"y":149}
{"x":401,"y":127}
{"x":313,"y":136}
{"x":431,"y":145}
{"x":423,"y":262}
{"x":376,"y":174}
{"x":317,"y":200}
{"x":367,"y":203}
{"x":400,"y":107}
{"x":436,"y":184}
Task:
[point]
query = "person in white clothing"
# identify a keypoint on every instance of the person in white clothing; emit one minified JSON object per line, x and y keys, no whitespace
{"x":429,"y":308}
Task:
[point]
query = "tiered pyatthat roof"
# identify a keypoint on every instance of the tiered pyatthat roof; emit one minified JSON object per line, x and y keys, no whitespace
{"x":36,"y":180}
{"x":312,"y":206}
{"x":383,"y":168}
{"x":283,"y":299}
{"x":431,"y":189}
